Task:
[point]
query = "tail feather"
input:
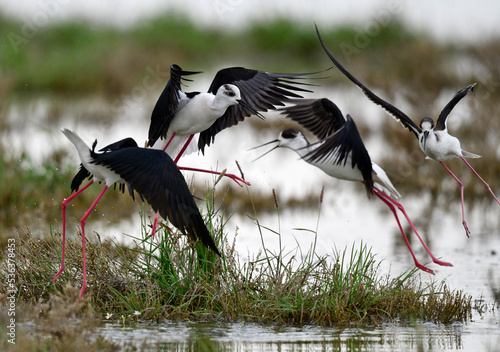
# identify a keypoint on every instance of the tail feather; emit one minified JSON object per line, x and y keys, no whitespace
{"x":387,"y":186}
{"x":470,"y":155}
{"x":82,"y":147}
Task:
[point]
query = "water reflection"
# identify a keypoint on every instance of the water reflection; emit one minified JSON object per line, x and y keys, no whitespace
{"x":177,"y":336}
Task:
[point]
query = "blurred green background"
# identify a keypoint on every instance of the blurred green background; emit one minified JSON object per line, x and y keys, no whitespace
{"x":71,"y":62}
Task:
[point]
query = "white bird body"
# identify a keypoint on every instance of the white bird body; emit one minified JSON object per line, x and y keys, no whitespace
{"x":301,"y":146}
{"x":440,"y":145}
{"x":100,"y":172}
{"x":201,"y":111}
{"x":341,"y":171}
{"x":187,"y":121}
{"x":328,"y":165}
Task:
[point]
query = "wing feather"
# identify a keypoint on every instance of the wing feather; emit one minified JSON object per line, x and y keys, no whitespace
{"x":167,"y":104}
{"x":343,"y":145}
{"x":391,"y":109}
{"x":262,"y":91}
{"x":441,"y":121}
{"x":154,"y":175}
{"x":320,"y":116}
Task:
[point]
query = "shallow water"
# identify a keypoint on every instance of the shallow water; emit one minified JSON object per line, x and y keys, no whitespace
{"x":477,"y":336}
{"x":346,"y":218}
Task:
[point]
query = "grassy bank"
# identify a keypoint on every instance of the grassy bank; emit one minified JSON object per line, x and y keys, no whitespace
{"x":164,"y":278}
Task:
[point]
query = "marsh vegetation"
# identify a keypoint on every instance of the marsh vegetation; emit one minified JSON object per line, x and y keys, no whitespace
{"x":164,"y":278}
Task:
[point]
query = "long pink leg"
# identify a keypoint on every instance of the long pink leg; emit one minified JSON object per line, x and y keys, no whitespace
{"x":155,"y":225}
{"x":64,"y":206}
{"x":467,"y":232}
{"x":82,"y":222}
{"x":231,"y":176}
{"x":400,"y":207}
{"x":479,"y":177}
{"x":393,"y":209}
{"x":169,"y":141}
{"x":183,"y":148}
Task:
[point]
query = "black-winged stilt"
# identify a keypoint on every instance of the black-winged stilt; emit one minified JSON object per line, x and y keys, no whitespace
{"x":235,"y":93}
{"x":434,"y":140}
{"x":341,"y":153}
{"x":149,"y":172}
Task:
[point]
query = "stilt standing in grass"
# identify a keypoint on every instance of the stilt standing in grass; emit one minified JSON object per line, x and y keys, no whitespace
{"x":341,"y":154}
{"x":235,"y":93}
{"x":434,"y":140}
{"x":149,"y":172}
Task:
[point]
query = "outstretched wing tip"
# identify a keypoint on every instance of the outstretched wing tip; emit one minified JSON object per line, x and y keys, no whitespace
{"x":391,"y":109}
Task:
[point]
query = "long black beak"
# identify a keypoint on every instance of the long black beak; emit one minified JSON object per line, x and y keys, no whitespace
{"x":426,"y":135}
{"x":249,"y":107}
{"x":269,"y":151}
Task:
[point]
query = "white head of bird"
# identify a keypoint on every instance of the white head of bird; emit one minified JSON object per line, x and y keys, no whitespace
{"x":293,"y":139}
{"x":290,"y":138}
{"x":227,"y":95}
{"x":427,"y":125}
{"x":438,"y":144}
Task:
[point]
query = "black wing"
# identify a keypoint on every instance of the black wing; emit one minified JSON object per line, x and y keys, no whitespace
{"x":167,"y":105}
{"x":337,"y":148}
{"x":321,"y":116}
{"x":154,"y":175}
{"x":441,"y":121}
{"x":261,"y":91}
{"x":83,"y":173}
{"x":124,"y":143}
{"x":391,"y":109}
